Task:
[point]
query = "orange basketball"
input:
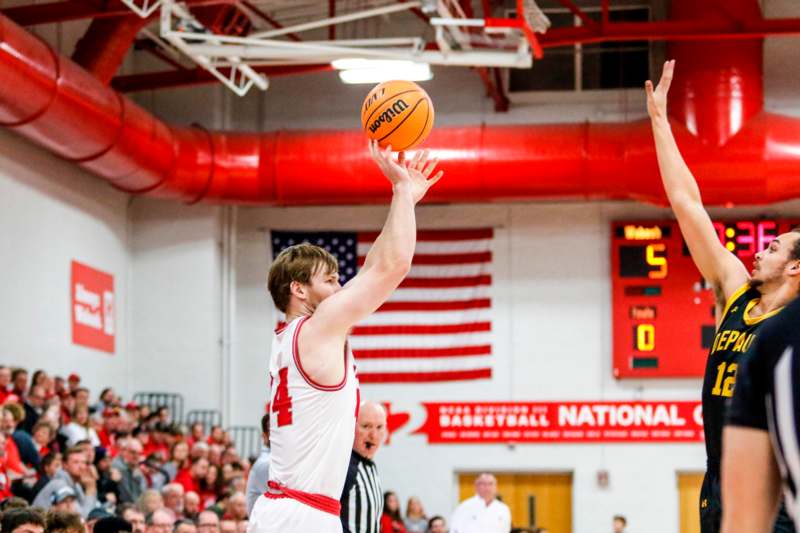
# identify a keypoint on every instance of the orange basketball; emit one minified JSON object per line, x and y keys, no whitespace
{"x":397,"y":113}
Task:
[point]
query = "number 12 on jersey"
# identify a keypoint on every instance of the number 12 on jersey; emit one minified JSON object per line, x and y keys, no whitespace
{"x":282,"y":403}
{"x":726,"y":379}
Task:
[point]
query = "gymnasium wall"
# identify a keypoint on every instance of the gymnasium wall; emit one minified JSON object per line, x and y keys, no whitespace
{"x":175,"y":300}
{"x":52,"y":213}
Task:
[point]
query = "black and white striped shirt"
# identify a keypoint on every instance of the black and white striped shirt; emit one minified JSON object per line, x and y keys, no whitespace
{"x":767,"y":397}
{"x":362,"y":497}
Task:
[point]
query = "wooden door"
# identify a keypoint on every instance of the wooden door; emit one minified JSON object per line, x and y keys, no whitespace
{"x":689,"y":484}
{"x":535,"y":499}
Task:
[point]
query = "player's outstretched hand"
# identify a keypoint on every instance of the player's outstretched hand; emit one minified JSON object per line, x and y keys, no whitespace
{"x":415,"y":175}
{"x":657,"y":98}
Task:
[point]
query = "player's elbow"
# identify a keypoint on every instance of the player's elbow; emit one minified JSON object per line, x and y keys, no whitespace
{"x":396,"y":267}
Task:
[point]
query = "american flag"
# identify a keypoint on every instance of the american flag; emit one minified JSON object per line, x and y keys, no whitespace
{"x":437,"y":325}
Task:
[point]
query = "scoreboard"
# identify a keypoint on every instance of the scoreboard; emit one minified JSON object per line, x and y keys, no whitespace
{"x":662,"y":309}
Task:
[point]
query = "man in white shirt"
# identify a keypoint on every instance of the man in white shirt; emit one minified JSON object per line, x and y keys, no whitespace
{"x":259,"y":473}
{"x":483,"y":513}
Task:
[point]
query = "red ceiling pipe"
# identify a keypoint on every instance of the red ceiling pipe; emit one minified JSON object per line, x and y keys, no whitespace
{"x":57,"y":104}
{"x":719,"y":86}
{"x":105,"y":44}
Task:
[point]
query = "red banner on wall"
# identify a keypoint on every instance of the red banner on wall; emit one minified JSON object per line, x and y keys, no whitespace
{"x":92,"y":308}
{"x":579,"y":422}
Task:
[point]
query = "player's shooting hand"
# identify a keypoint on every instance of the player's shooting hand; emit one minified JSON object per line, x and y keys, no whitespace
{"x":414,"y":175}
{"x":657,"y":98}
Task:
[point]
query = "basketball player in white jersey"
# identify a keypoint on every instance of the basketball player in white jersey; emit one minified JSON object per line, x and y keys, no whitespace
{"x":314,"y":397}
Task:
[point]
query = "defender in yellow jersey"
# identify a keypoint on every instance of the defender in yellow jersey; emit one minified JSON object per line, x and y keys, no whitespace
{"x":750,"y":298}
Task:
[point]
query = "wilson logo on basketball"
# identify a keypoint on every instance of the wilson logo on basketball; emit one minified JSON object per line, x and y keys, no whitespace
{"x":386,"y":117}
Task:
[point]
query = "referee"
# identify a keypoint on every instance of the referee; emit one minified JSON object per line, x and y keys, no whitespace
{"x":362,"y":497}
{"x":761,"y":438}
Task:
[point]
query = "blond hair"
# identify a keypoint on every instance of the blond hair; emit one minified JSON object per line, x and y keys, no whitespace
{"x":297,"y":263}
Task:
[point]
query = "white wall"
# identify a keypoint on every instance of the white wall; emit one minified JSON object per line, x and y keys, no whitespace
{"x":175,"y":301}
{"x":51,"y":213}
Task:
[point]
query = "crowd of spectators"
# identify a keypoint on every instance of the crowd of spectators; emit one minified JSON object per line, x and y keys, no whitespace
{"x":70,"y":464}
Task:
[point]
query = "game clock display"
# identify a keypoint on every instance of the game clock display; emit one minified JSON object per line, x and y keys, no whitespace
{"x":662,"y":309}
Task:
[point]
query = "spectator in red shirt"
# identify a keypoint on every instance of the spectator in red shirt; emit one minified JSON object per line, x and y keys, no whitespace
{"x":5,"y":481}
{"x":391,"y":520}
{"x":191,"y":479}
{"x":132,"y":410}
{"x":217,"y":435}
{"x":210,"y":487}
{"x":196,"y":434}
{"x":60,"y":387}
{"x":179,"y":459}
{"x":43,"y":436}
{"x":73,"y":382}
{"x":19,"y":383}
{"x":5,"y":379}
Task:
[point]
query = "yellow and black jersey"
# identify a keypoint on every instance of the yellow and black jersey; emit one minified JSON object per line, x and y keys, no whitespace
{"x":735,"y":335}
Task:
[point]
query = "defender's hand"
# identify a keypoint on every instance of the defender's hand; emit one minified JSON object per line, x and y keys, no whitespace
{"x":657,"y":98}
{"x":413,"y":175}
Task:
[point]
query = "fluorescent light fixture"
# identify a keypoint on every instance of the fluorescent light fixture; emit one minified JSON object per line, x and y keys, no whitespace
{"x":360,"y":70}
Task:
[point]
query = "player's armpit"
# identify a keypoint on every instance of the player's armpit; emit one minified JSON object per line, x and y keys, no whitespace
{"x":750,"y":481}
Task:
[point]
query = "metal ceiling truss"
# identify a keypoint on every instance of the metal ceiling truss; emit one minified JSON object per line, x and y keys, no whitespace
{"x":499,"y":42}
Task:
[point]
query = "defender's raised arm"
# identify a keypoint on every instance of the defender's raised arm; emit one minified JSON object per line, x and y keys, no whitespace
{"x":715,"y":263}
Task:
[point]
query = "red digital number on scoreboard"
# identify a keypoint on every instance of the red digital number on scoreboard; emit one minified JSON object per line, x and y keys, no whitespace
{"x":663,"y":312}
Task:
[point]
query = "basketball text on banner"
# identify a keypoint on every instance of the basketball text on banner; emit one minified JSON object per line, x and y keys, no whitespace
{"x":578,"y":422}
{"x":437,"y":326}
{"x":92,"y":305}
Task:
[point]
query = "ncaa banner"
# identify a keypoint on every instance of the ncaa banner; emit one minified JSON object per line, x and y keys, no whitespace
{"x":562,"y":422}
{"x":92,"y":308}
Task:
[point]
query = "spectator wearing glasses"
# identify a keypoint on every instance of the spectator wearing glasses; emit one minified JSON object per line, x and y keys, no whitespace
{"x":132,"y":483}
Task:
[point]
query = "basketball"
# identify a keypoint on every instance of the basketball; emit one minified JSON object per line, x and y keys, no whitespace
{"x":397,"y":113}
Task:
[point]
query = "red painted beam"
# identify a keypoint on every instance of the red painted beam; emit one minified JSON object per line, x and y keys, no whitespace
{"x":31,"y":15}
{"x":198,"y":76}
{"x":695,"y":30}
{"x":578,"y":12}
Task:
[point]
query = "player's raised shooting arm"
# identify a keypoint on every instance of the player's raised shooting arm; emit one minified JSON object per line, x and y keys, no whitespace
{"x":715,"y":262}
{"x":389,"y":259}
{"x":750,"y":481}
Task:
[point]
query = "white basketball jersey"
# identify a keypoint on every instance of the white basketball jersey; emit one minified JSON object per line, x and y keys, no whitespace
{"x":312,"y":427}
